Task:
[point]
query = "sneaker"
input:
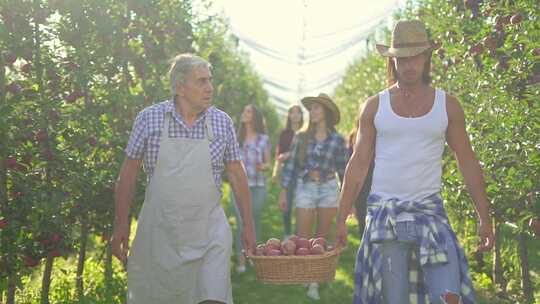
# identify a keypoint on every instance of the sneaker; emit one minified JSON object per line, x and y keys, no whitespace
{"x":241,"y":268}
{"x":313,"y":291}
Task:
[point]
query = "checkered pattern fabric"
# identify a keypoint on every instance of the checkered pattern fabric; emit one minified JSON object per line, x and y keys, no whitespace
{"x":430,"y":216}
{"x":144,"y":138}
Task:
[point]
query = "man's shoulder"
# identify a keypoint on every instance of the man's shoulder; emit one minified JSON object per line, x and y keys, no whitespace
{"x":157,"y":108}
{"x":219,"y":114}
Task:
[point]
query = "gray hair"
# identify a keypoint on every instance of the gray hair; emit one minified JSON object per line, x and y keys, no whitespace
{"x":181,"y":65}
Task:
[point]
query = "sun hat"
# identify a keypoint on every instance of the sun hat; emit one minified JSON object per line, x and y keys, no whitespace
{"x":327,"y":102}
{"x":409,"y":38}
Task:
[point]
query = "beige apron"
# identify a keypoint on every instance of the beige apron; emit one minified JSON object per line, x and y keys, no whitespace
{"x":182,"y":248}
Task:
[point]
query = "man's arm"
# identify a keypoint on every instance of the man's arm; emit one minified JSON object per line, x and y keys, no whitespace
{"x":123,"y":198}
{"x":458,"y":140}
{"x":358,"y":166}
{"x":238,"y":180}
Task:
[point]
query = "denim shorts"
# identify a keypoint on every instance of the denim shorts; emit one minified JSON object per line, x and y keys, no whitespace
{"x":317,"y":195}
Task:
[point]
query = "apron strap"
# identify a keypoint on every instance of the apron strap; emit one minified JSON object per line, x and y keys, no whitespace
{"x":165,"y":128}
{"x":208,"y":130}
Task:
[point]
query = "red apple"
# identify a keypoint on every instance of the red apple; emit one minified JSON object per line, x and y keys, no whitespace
{"x":320,"y":241}
{"x":9,"y":57}
{"x":30,"y":261}
{"x":54,"y":253}
{"x":516,"y":19}
{"x":302,"y":251}
{"x":317,"y":249}
{"x":260,"y":250}
{"x":54,"y":116}
{"x":470,"y":4}
{"x":27,"y":68}
{"x":42,"y":135}
{"x":11,"y":162}
{"x":92,"y":141}
{"x":476,"y":49}
{"x":311,"y":242}
{"x":293,"y":237}
{"x":3,"y":223}
{"x":441,"y":53}
{"x":490,"y":42}
{"x":274,"y":252}
{"x":302,"y":243}
{"x":14,"y":88}
{"x":273,"y":243}
{"x":55,"y":237}
{"x":72,"y":66}
{"x":72,"y":97}
{"x":288,"y":247}
{"x":534,"y":225}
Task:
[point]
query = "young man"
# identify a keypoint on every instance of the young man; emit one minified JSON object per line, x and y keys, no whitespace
{"x":182,"y":248}
{"x":409,"y":253}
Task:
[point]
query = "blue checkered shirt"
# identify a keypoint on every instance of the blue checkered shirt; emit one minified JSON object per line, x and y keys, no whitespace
{"x":429,"y":214}
{"x":144,"y":138}
{"x":328,"y":157}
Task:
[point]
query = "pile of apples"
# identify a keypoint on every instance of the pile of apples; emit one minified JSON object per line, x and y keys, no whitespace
{"x":293,"y":245}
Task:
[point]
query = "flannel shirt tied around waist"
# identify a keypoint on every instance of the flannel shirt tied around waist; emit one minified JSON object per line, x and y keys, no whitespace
{"x":430,"y":216}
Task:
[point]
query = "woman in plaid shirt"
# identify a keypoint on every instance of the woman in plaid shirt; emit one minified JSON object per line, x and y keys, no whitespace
{"x":318,"y":154}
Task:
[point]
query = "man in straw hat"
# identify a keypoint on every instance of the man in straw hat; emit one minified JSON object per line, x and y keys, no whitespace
{"x":409,"y":253}
{"x":318,"y":157}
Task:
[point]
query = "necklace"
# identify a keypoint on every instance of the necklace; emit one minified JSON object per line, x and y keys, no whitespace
{"x":407,"y":96}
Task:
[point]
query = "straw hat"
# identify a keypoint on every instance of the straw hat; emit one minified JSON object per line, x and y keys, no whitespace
{"x":409,"y":38}
{"x":327,"y":102}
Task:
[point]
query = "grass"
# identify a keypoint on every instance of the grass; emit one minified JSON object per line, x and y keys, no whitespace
{"x":246,"y":290}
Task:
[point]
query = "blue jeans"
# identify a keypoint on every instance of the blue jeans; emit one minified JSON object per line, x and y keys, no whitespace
{"x":439,"y":279}
{"x":258,"y":197}
{"x":287,"y":214}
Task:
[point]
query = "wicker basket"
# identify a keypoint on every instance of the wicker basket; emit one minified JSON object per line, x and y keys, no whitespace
{"x":296,"y":269}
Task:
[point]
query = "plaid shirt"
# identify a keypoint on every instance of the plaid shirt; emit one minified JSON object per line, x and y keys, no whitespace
{"x":328,"y":157}
{"x":253,"y":154}
{"x":144,"y":138}
{"x":430,"y":215}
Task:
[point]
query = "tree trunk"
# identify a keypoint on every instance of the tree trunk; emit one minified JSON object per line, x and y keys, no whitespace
{"x":46,"y":282}
{"x":11,"y":289}
{"x":108,"y":266}
{"x":498,"y":271}
{"x":525,"y":276}
{"x":82,"y":257}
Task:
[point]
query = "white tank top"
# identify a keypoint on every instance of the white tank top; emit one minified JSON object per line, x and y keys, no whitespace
{"x":408,"y":151}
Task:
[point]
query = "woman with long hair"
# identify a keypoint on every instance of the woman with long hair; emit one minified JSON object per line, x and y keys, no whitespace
{"x":295,"y":120}
{"x":255,"y":152}
{"x":318,"y":157}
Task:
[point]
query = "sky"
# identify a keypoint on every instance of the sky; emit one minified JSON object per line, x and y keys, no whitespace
{"x":303,"y":47}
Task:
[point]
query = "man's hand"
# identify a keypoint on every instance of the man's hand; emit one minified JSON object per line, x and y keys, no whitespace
{"x":283,"y":157}
{"x":341,"y":233}
{"x":120,"y":242}
{"x":248,"y":239}
{"x":485,"y":231}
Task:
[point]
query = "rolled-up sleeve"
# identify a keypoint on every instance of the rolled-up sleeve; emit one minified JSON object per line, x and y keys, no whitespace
{"x":289,"y":168}
{"x":137,"y":138}
{"x":232,"y":149}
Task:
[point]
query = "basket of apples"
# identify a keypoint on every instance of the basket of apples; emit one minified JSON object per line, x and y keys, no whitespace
{"x":295,"y":260}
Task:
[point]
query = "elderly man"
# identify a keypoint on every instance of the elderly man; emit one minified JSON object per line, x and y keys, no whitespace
{"x":181,"y":252}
